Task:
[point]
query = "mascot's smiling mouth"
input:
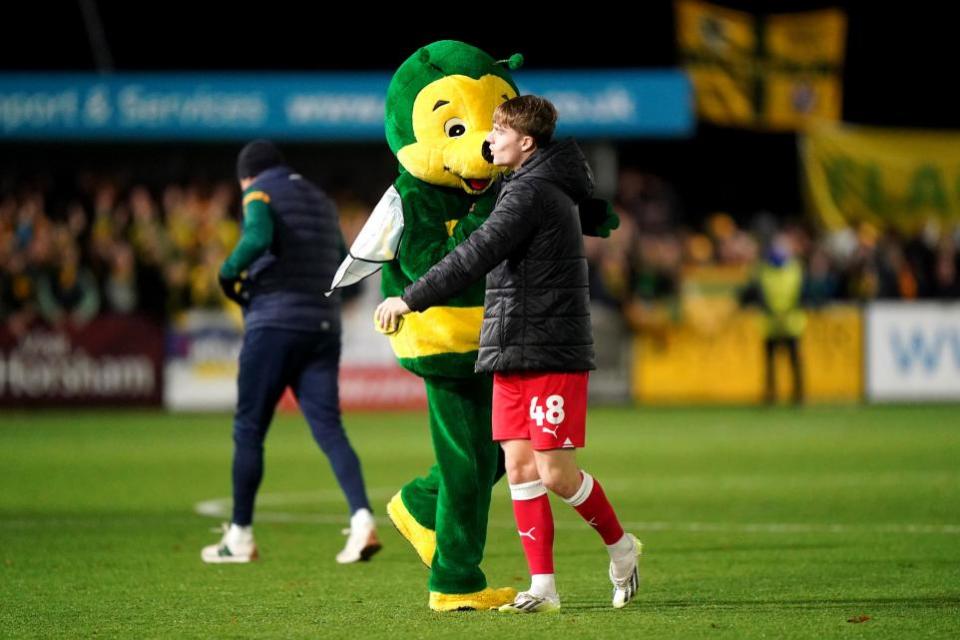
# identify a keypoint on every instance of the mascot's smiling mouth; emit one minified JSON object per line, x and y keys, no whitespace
{"x":477,"y":185}
{"x":474,"y":185}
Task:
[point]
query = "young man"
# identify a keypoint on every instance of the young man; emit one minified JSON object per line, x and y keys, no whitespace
{"x":535,"y":339}
{"x":290,"y":248}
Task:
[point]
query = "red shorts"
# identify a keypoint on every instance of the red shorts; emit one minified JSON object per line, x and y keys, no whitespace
{"x":548,"y":409}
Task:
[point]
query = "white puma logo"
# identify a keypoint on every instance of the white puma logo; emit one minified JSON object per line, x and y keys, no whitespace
{"x":527,"y":534}
{"x":552,"y":432}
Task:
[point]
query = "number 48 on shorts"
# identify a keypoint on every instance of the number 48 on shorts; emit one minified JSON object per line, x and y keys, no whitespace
{"x":554,"y":413}
{"x":549,"y":409}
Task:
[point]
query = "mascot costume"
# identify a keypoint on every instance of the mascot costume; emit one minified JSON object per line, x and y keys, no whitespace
{"x":439,"y":110}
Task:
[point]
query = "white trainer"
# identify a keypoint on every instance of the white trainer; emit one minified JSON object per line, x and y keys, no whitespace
{"x":527,"y":602}
{"x":235,"y":547}
{"x":625,"y":587}
{"x":362,"y":541}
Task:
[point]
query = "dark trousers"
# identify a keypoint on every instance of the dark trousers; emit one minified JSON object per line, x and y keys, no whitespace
{"x":792,"y":345}
{"x":270,"y":361}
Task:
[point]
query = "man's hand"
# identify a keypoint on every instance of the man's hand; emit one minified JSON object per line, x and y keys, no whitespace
{"x":389,"y":314}
{"x":235,"y":289}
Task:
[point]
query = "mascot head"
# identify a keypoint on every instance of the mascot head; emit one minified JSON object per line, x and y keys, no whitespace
{"x":439,"y":112}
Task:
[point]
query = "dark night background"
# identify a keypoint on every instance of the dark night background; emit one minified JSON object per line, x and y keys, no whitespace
{"x":900,"y":70}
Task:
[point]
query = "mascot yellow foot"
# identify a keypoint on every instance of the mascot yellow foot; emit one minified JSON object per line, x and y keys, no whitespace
{"x":477,"y":601}
{"x":423,"y":540}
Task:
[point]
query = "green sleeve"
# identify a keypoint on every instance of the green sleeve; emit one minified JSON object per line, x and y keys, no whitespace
{"x":255,"y":240}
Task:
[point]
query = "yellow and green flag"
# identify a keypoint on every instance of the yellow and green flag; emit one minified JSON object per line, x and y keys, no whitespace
{"x":777,"y":72}
{"x":888,"y":178}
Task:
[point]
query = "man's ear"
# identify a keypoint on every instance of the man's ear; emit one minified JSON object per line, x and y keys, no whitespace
{"x":527,"y":143}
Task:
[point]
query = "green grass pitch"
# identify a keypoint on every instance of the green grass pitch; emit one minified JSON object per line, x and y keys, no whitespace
{"x":757,"y":523}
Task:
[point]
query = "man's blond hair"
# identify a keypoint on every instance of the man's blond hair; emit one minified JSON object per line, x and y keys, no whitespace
{"x":530,"y":116}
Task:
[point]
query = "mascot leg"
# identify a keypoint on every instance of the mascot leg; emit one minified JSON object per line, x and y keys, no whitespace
{"x":420,"y":497}
{"x":468,"y":462}
{"x":413,"y":511}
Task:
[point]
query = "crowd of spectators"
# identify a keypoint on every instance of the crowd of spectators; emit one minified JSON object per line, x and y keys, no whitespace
{"x":67,"y":254}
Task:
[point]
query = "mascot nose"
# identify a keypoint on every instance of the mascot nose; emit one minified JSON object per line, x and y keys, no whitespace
{"x":486,"y":153}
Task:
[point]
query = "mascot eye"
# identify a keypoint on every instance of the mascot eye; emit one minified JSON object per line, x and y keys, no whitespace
{"x":455,"y":127}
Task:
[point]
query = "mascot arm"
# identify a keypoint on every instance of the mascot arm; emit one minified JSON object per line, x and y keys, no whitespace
{"x":464,"y":227}
{"x":597,"y":218}
{"x":426,"y":240}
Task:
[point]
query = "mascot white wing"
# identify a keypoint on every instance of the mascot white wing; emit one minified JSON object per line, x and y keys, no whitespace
{"x":376,"y":243}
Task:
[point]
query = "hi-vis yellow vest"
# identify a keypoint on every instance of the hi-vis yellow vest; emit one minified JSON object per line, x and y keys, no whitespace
{"x":781,"y":288}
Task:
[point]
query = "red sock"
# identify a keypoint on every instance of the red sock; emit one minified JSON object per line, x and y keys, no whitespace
{"x":592,"y":505}
{"x":531,"y":508}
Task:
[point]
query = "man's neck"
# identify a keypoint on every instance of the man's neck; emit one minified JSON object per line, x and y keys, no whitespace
{"x":523,"y":158}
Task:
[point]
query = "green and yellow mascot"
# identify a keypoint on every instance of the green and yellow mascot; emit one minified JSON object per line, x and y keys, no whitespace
{"x":439,"y":110}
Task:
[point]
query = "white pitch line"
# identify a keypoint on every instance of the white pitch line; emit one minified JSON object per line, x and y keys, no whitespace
{"x":221,"y":508}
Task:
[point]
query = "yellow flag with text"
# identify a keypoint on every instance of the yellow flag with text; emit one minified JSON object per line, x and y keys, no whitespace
{"x":889,"y":178}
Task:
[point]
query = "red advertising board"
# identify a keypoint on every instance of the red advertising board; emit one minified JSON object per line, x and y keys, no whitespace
{"x":113,"y":360}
